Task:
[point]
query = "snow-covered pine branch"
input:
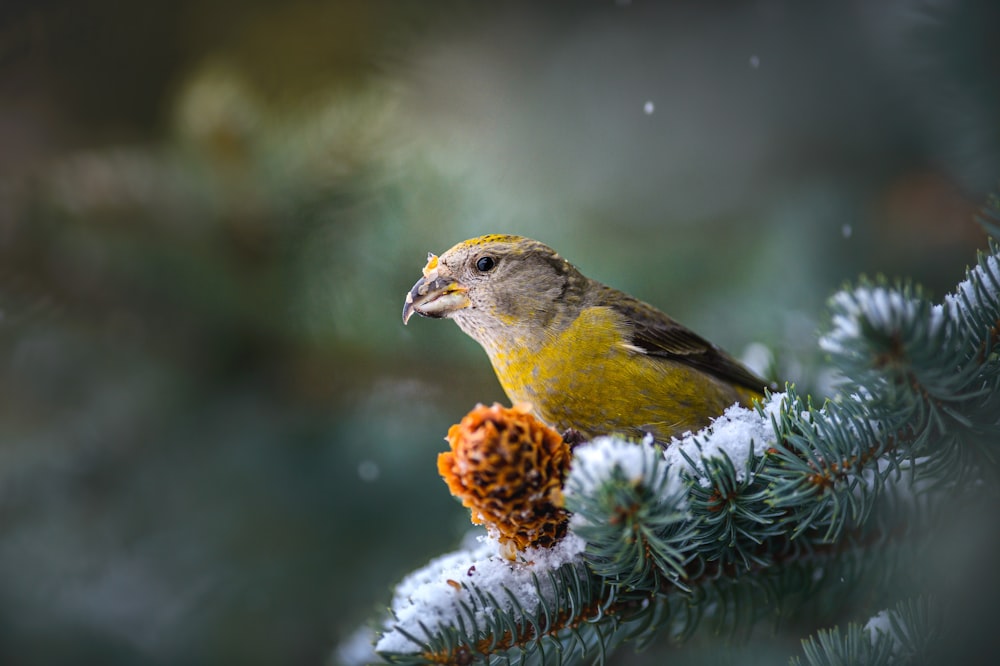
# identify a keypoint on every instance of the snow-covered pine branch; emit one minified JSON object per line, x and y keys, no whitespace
{"x":644,"y":541}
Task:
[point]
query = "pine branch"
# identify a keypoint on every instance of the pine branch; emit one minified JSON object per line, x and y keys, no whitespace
{"x":739,"y":517}
{"x":658,"y":536}
{"x":905,"y":635}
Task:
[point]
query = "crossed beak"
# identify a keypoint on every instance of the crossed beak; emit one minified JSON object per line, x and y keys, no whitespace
{"x":437,"y":294}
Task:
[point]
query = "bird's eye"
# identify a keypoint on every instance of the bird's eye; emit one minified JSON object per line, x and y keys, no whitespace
{"x":485,"y":264}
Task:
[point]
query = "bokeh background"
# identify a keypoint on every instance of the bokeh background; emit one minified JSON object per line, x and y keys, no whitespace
{"x":217,"y":439}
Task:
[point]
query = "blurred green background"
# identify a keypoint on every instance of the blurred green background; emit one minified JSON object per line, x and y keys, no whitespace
{"x":217,"y":439}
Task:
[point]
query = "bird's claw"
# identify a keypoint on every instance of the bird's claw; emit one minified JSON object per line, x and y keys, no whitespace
{"x":572,"y":436}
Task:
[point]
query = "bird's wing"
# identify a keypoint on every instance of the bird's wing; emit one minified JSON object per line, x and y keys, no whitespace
{"x":657,"y":334}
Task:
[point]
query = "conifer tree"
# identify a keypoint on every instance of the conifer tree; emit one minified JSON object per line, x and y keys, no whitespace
{"x":827,"y":519}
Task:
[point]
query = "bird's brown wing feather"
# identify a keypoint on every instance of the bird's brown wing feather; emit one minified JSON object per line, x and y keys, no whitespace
{"x":659,"y":335}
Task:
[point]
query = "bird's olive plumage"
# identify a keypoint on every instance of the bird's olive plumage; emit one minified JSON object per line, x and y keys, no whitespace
{"x":586,"y":356}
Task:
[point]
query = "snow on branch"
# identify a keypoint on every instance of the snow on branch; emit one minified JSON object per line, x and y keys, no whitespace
{"x":583,"y":543}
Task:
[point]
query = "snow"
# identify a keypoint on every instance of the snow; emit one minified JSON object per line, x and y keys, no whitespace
{"x":356,"y":649}
{"x":736,"y":434}
{"x":966,"y":289}
{"x":757,"y":357}
{"x":881,"y":623}
{"x":883,"y":309}
{"x":594,"y":463}
{"x":648,"y":108}
{"x":431,"y":596}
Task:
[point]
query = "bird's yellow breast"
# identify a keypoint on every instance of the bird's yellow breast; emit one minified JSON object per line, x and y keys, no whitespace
{"x":588,"y":377}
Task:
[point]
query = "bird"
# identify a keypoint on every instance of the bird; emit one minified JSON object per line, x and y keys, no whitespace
{"x":590,"y":360}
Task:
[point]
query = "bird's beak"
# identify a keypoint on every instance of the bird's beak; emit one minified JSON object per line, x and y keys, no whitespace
{"x":437,"y":294}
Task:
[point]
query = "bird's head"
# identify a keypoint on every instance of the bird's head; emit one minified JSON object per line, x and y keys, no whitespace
{"x":495,"y":285}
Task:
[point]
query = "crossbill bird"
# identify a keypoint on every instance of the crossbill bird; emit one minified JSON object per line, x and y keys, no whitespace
{"x":590,"y":360}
